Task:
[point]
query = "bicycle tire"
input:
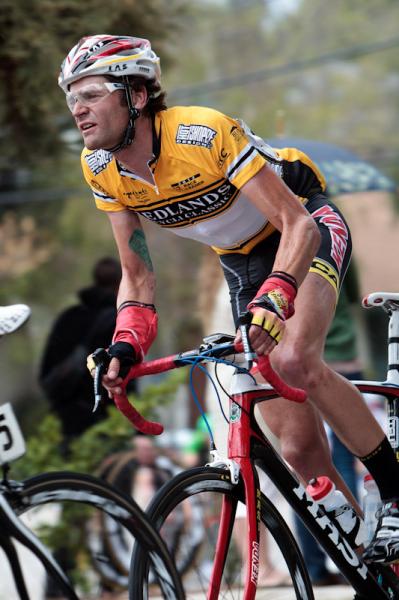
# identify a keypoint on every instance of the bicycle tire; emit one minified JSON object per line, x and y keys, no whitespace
{"x":65,"y":487}
{"x":211,"y":484}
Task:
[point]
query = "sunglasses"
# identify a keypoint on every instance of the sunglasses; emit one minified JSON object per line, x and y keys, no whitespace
{"x":92,"y":93}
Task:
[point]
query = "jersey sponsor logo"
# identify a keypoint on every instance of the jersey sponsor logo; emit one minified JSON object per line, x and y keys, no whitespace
{"x":195,"y":135}
{"x":187,"y":184}
{"x":186,"y":212}
{"x":237,"y":133}
{"x":98,"y":187}
{"x":98,"y":160}
{"x":338,"y":232}
{"x":140,"y":195}
{"x":224,"y":155}
{"x":277,"y":168}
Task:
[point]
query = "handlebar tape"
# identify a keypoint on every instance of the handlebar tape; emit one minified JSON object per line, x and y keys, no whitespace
{"x":152,"y":367}
{"x":270,"y":375}
{"x":281,"y":387}
{"x":148,"y":427}
{"x":168,"y":363}
{"x":122,"y":403}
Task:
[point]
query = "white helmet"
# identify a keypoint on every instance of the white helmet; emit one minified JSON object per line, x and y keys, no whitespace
{"x":116,"y":55}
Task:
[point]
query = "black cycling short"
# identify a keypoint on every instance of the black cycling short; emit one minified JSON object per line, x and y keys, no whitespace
{"x":245,"y":273}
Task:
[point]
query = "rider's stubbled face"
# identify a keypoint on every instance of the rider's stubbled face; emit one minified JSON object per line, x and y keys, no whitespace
{"x":102,"y":124}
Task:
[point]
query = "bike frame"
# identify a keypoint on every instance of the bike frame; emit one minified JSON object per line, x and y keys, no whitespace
{"x":248,"y":446}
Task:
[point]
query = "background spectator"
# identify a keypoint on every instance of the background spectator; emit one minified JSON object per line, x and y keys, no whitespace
{"x":77,"y":332}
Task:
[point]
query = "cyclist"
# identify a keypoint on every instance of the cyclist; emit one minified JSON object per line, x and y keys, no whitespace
{"x":206,"y":176}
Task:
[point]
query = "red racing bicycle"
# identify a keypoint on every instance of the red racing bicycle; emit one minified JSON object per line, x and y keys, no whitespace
{"x":218,"y":487}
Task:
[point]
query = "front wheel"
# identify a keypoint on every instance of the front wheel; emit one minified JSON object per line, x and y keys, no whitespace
{"x":202,"y":490}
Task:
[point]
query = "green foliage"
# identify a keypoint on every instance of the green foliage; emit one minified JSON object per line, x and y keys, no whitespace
{"x":85,"y":456}
{"x":88,"y":450}
{"x":36,"y":36}
{"x":351,"y":102}
{"x":41,"y":454}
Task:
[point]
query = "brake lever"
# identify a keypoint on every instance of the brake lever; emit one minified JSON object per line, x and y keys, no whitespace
{"x":101,"y":360}
{"x":244,"y":322}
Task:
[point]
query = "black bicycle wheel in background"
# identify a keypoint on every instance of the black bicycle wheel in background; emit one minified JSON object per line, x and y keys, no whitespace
{"x":140,"y":481}
{"x":64,"y":489}
{"x":208,"y":486}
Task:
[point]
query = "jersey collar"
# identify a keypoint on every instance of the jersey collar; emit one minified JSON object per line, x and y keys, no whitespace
{"x":156,"y":138}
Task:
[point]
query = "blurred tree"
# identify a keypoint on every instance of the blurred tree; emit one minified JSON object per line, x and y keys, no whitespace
{"x":350,"y":102}
{"x":36,"y":35}
{"x":50,"y":231}
{"x":324,"y":65}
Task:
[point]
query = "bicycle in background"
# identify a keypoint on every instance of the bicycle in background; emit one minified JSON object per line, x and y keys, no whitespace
{"x":220,"y":485}
{"x":95,"y":497}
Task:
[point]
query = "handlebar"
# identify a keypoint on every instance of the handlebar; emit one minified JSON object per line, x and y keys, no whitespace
{"x":209,"y":350}
{"x":213,"y":347}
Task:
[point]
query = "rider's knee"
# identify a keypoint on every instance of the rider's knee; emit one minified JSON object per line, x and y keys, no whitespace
{"x":300,"y":368}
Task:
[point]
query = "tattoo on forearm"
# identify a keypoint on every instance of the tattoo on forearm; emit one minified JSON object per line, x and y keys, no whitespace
{"x":138,"y":245}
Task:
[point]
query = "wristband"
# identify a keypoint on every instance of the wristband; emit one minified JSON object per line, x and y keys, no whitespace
{"x":135,"y":303}
{"x":137,"y":326}
{"x":277,"y":294}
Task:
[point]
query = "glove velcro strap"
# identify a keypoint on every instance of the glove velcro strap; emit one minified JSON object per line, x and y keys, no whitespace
{"x":277,"y":294}
{"x":123,"y":351}
{"x":283,"y":276}
{"x":275,"y":281}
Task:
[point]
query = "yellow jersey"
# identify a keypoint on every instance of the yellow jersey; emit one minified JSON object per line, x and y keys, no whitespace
{"x":201,"y":160}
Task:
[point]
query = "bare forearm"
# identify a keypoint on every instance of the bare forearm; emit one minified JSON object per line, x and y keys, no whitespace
{"x":138,"y":286}
{"x":298,"y":246}
{"x":300,"y":238}
{"x":138,"y":279}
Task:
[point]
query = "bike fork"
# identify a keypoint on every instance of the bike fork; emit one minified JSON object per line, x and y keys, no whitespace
{"x":226,"y":524}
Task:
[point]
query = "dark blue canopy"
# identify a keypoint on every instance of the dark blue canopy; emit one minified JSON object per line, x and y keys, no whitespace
{"x":345,"y":172}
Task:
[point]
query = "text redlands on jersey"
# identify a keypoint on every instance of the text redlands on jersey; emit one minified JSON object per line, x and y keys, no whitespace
{"x":202,"y":158}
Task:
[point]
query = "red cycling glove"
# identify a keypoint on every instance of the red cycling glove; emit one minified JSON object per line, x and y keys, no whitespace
{"x":135,"y":330}
{"x":277,"y":294}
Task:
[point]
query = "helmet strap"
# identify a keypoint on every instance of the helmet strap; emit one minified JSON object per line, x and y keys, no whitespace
{"x":134,"y":113}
